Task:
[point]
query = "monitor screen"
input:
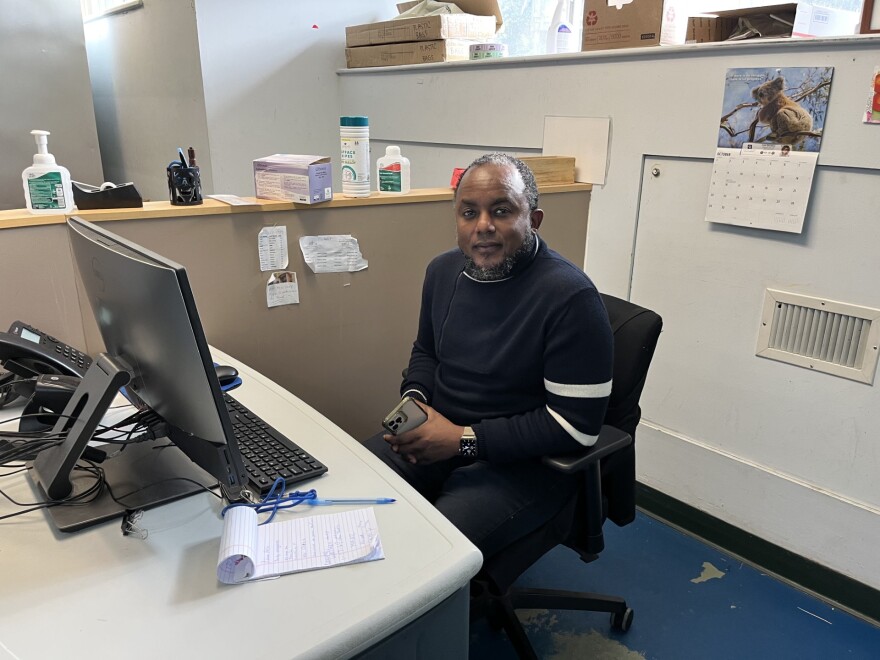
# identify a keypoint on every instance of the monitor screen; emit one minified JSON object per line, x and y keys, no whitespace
{"x":146,"y":313}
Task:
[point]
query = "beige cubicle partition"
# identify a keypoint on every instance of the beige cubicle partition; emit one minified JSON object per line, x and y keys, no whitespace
{"x":341,"y":349}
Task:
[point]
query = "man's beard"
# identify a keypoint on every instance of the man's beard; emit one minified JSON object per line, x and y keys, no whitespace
{"x":505,"y":268}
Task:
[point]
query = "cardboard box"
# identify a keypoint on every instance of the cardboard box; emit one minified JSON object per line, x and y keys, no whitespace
{"x":550,"y":170}
{"x":720,"y":25}
{"x":475,"y":7}
{"x":391,"y":43}
{"x":424,"y":28}
{"x":416,"y":52}
{"x":294,"y":178}
{"x":812,"y":21}
{"x":703,"y":29}
{"x":809,"y":21}
{"x":610,"y":24}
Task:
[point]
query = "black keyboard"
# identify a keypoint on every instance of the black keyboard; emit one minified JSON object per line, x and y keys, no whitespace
{"x":266,"y":453}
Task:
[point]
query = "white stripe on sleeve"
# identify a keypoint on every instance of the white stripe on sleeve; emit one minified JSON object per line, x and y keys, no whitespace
{"x":583,"y":438}
{"x":596,"y":391}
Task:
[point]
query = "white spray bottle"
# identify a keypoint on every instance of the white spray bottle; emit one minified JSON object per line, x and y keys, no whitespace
{"x":47,"y":187}
{"x":562,"y":35}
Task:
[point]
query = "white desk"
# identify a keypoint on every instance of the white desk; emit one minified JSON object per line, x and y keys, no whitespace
{"x":97,"y":594}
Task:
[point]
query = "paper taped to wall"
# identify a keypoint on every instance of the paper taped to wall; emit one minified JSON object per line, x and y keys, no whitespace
{"x":332,"y":253}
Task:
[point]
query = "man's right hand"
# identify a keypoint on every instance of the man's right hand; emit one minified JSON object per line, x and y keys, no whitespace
{"x":437,"y":439}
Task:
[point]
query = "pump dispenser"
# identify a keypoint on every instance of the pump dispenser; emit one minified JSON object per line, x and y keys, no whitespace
{"x":392,"y":172}
{"x":47,"y":187}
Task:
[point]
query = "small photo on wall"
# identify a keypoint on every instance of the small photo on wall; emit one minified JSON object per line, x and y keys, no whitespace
{"x":872,"y":112}
{"x":775,"y":106}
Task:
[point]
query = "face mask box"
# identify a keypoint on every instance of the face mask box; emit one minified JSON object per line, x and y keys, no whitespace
{"x":294,"y":178}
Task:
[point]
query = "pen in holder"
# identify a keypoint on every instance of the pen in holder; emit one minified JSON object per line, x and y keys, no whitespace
{"x":184,"y":185}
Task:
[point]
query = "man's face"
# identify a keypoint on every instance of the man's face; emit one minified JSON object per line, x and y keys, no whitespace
{"x":492,"y":215}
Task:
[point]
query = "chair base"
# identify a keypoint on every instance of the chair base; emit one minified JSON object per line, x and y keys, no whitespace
{"x":500,"y":610}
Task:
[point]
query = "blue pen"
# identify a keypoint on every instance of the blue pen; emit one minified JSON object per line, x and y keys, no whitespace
{"x":377,"y":500}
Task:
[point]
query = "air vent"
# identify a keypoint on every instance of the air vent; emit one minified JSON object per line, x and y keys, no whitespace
{"x":823,"y":335}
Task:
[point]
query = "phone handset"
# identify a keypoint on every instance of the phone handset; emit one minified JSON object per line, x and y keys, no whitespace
{"x":28,"y":352}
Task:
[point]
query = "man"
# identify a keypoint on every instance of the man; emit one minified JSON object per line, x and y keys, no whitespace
{"x":512,"y":361}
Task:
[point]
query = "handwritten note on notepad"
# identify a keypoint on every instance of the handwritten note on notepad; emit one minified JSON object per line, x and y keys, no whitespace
{"x":249,"y":551}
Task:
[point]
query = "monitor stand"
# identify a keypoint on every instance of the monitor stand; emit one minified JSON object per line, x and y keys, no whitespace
{"x":143,"y":475}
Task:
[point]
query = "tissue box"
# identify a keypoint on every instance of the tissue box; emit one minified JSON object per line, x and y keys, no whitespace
{"x":294,"y":178}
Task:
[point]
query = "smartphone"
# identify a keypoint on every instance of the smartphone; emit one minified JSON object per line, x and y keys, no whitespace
{"x":406,"y":416}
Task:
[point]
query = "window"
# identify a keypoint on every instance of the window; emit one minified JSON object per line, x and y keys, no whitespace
{"x":526,"y":23}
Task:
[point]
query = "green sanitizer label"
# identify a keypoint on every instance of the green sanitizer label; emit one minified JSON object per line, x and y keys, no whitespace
{"x":389,"y":178}
{"x":46,"y":191}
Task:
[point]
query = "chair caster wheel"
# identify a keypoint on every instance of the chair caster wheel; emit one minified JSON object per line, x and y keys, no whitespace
{"x":622,"y":621}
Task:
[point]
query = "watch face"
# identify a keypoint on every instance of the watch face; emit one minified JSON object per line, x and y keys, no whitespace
{"x":468,"y":447}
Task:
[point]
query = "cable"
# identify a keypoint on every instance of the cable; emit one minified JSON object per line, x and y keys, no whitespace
{"x":90,"y":494}
{"x":275,"y":501}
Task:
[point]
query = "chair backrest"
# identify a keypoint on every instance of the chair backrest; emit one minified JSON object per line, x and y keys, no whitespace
{"x":636,"y":331}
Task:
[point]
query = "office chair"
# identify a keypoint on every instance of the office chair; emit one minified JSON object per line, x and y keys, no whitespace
{"x":607,"y":490}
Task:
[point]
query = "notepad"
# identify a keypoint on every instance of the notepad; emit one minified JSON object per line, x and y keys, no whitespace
{"x":249,"y":551}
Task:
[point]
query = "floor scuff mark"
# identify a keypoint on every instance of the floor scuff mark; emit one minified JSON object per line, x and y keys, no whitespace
{"x":593,"y":645}
{"x":709,"y":573}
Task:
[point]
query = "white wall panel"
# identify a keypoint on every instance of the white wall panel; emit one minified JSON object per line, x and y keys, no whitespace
{"x":785,"y":453}
{"x":44,"y":84}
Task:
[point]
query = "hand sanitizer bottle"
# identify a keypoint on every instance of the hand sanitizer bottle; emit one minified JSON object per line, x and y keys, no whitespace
{"x":392,"y":172}
{"x":47,"y":187}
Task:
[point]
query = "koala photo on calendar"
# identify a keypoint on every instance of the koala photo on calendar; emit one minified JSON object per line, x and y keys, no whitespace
{"x":775,"y":108}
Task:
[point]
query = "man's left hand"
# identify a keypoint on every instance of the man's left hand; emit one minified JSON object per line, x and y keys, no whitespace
{"x":436,"y":440}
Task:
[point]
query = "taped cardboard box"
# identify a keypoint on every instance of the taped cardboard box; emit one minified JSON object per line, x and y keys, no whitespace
{"x":416,"y":52}
{"x":479,"y":22}
{"x":610,"y":24}
{"x":476,"y":7}
{"x":423,"y":28}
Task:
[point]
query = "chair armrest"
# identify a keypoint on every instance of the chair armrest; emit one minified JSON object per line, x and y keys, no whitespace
{"x":610,"y":440}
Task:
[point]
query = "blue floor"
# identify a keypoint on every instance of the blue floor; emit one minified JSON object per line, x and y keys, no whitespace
{"x":690,"y":601}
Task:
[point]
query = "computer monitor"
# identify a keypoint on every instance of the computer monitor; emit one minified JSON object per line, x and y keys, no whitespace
{"x":147,"y":316}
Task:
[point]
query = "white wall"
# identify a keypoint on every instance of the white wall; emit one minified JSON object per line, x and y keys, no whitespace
{"x":787,"y":454}
{"x":147,"y":86}
{"x":269,"y":79}
{"x":236,"y":80}
{"x":44,"y":84}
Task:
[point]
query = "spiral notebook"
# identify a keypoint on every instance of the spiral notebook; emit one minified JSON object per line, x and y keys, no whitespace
{"x":249,"y":551}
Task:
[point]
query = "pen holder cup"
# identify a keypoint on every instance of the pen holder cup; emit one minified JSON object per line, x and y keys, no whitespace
{"x":184,"y":186}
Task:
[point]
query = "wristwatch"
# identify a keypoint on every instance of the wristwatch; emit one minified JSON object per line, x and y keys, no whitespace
{"x":467,"y":446}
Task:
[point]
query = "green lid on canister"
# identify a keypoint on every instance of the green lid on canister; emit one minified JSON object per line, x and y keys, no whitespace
{"x":354,"y":121}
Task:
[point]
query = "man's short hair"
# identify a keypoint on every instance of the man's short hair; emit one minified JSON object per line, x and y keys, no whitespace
{"x":531,"y":186}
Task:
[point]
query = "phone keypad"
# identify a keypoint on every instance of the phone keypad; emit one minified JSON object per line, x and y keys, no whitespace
{"x":72,"y":355}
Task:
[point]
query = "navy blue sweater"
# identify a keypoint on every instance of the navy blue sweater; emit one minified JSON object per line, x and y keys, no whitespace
{"x":526,"y":361}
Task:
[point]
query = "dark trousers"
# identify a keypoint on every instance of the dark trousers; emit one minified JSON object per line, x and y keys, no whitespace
{"x":493,"y":505}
